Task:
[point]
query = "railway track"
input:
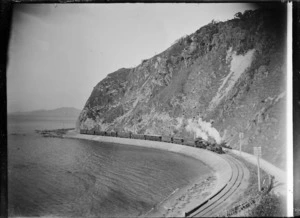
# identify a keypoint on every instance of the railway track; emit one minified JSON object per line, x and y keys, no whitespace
{"x":227,"y":194}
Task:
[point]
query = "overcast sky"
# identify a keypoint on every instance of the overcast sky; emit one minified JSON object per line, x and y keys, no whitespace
{"x":58,"y":53}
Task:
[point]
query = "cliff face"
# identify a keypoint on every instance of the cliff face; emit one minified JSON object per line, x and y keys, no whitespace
{"x":225,"y":81}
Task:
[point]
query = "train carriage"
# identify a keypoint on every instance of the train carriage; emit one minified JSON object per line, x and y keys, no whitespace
{"x":102,"y":133}
{"x":91,"y":132}
{"x":137,"y":136}
{"x":167,"y":139}
{"x":153,"y":137}
{"x":97,"y":132}
{"x":124,"y":134}
{"x":178,"y":140}
{"x":83,"y":131}
{"x":189,"y":142}
{"x":113,"y":134}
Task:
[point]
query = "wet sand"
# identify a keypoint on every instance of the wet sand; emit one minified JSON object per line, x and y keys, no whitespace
{"x":186,"y":198}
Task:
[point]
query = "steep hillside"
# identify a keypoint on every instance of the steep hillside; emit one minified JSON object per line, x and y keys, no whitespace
{"x":225,"y":79}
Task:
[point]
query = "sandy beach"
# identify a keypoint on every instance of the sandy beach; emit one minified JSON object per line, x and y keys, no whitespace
{"x":186,"y":198}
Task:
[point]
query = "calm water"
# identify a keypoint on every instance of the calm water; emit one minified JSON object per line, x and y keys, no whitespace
{"x":70,"y":177}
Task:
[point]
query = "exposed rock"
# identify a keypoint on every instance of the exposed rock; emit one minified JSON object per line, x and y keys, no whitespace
{"x":231,"y":72}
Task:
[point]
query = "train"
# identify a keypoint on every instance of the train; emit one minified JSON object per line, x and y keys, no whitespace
{"x":198,"y":142}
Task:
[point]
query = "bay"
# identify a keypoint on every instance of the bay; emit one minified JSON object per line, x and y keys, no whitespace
{"x":80,"y":178}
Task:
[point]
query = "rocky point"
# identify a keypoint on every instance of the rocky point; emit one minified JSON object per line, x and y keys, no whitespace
{"x":224,"y":82}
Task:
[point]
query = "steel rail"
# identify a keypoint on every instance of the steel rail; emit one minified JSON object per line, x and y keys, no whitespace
{"x":221,"y":200}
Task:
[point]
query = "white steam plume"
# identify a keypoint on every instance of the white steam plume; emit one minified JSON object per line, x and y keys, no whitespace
{"x":203,"y":129}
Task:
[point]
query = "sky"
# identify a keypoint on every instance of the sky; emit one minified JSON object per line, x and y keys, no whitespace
{"x":59,"y":52}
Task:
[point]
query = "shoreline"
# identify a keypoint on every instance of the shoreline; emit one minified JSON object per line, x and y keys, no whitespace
{"x":187,"y":197}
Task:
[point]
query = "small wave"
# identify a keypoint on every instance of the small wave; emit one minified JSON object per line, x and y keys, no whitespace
{"x":87,"y":179}
{"x":155,"y":206}
{"x":168,"y":196}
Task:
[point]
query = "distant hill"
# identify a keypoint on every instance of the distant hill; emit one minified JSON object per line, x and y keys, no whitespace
{"x":58,"y":112}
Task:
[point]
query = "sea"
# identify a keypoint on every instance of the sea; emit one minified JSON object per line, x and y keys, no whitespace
{"x":59,"y":177}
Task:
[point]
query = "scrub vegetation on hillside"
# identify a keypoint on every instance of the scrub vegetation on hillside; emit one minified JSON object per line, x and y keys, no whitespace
{"x":230,"y":74}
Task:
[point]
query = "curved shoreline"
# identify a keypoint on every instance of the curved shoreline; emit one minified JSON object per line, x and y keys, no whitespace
{"x":220,"y":167}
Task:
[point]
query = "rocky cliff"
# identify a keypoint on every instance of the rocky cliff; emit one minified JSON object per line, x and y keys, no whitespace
{"x":224,"y":82}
